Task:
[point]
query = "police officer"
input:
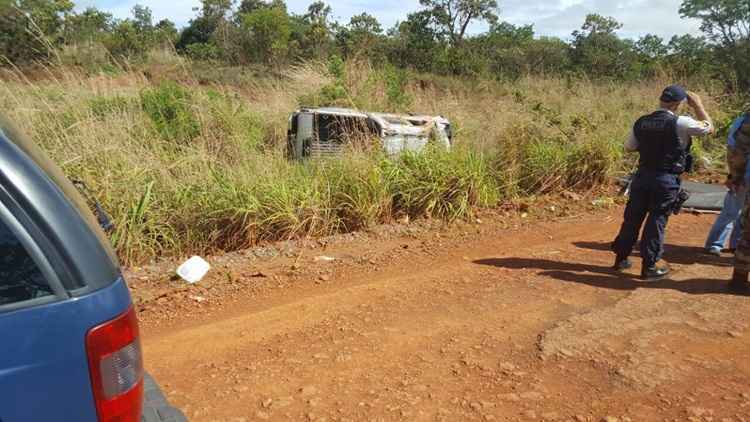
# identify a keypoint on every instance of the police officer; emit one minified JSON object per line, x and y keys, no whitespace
{"x":739,"y":152}
{"x":663,"y":140}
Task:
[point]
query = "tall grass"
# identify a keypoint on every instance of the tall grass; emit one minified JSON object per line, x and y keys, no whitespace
{"x":189,"y":159}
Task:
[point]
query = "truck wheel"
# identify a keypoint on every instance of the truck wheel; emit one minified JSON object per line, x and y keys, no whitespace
{"x":155,"y":405}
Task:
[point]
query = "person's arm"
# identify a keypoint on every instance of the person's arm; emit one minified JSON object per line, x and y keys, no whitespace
{"x":631,"y":145}
{"x":706,"y":123}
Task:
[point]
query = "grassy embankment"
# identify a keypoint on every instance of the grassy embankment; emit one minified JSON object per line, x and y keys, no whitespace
{"x":189,"y":159}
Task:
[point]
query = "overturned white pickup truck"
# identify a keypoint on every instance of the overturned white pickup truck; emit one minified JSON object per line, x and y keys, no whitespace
{"x":317,"y":132}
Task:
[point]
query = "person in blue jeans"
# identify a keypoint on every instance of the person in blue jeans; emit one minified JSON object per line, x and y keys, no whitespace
{"x":730,"y":219}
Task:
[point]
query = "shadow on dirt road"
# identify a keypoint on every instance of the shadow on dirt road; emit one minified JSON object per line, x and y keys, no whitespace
{"x":677,"y":254}
{"x":606,"y":278}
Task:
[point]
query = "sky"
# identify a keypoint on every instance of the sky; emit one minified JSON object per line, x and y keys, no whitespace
{"x":549,"y":17}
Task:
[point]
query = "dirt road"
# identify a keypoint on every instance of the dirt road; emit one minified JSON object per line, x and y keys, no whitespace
{"x":485,"y":323}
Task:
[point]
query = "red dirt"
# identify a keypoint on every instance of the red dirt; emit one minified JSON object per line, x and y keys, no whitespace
{"x":476,"y":322}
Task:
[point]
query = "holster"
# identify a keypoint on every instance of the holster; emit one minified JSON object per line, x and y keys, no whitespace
{"x":682,"y":197}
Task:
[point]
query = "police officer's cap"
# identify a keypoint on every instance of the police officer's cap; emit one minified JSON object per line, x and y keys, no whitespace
{"x":674,"y":94}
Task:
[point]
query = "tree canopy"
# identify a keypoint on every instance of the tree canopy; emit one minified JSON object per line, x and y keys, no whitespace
{"x":442,"y":37}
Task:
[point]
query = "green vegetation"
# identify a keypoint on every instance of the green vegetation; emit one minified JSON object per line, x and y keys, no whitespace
{"x":186,"y":168}
{"x":180,"y":133}
{"x":168,"y":107}
{"x":434,"y":39}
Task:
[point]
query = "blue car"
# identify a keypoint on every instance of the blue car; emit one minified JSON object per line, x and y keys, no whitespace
{"x":70,"y":348}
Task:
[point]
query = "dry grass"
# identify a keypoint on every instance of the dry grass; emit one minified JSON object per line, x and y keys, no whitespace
{"x":197,"y":165}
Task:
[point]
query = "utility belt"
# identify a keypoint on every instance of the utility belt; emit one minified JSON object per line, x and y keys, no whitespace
{"x":682,"y":195}
{"x":683,"y":166}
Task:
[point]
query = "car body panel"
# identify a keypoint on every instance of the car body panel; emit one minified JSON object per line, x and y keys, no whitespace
{"x":68,"y":234}
{"x":44,"y":367}
{"x":44,"y":370}
{"x":310,"y":134}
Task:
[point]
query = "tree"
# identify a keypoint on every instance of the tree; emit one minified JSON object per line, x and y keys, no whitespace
{"x":249,"y":6}
{"x":455,"y":16}
{"x":268,"y":34}
{"x":414,"y":42}
{"x":508,"y":34}
{"x":88,"y":26}
{"x":216,"y":10}
{"x":212,"y":28}
{"x":512,"y":51}
{"x":317,"y":35}
{"x":598,"y":51}
{"x":363,"y":34}
{"x":143,"y":18}
{"x":652,"y":47}
{"x":166,"y":32}
{"x":133,"y":37}
{"x":689,"y":55}
{"x":598,"y":25}
{"x":727,"y":23}
{"x":365,"y":24}
{"x":651,"y":52}
{"x":32,"y":29}
{"x":318,"y":13}
{"x":547,"y":55}
{"x":503,"y":48}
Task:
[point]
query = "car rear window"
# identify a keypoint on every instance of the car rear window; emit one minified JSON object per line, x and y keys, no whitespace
{"x":21,"y":280}
{"x":58,"y":177}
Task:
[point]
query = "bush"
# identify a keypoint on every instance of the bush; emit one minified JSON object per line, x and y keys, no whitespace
{"x":362,"y":191}
{"x":203,"y":52}
{"x":238,"y":130}
{"x":395,"y":88}
{"x":333,"y":93}
{"x":543,"y":166}
{"x":550,"y":165}
{"x":449,"y":185}
{"x":169,"y":108}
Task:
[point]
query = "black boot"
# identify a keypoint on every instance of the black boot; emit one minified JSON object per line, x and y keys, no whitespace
{"x":654,"y":273}
{"x":739,"y":280}
{"x":622,"y":264}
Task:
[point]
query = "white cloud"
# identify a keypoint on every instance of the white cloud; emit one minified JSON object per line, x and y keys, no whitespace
{"x":550,"y":17}
{"x":639,"y":17}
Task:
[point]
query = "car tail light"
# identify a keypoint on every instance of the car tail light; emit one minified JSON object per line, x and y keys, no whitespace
{"x":116,"y":366}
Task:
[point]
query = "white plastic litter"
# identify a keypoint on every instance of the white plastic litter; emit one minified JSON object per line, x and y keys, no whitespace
{"x":194,"y":269}
{"x":324,"y":259}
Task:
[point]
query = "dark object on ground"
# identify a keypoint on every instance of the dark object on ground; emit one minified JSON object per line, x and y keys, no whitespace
{"x":703,"y":197}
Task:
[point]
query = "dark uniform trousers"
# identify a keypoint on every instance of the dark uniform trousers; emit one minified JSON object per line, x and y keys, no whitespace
{"x":652,"y":197}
